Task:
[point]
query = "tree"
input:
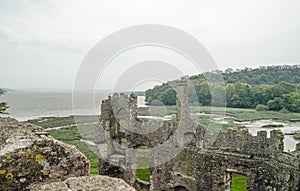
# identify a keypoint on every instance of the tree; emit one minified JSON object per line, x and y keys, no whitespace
{"x":261,"y":107}
{"x":291,"y":101}
{"x":3,"y":107}
{"x":203,"y":94}
{"x":275,"y":104}
{"x":236,"y":101}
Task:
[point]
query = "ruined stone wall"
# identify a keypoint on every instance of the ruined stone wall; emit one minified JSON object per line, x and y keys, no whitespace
{"x":244,"y":142}
{"x":214,"y":166}
{"x":114,"y":160}
{"x":120,"y":133}
{"x":178,"y":172}
{"x":206,"y":160}
{"x":261,"y":159}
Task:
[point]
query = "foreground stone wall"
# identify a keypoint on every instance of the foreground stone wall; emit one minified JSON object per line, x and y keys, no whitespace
{"x":29,"y":156}
{"x":103,"y":183}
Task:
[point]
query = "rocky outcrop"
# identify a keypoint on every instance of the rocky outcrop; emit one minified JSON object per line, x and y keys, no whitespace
{"x":103,"y":183}
{"x":29,"y":156}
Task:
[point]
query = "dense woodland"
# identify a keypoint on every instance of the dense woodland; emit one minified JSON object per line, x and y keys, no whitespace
{"x":264,"y":88}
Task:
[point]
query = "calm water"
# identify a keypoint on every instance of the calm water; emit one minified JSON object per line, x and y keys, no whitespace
{"x":24,"y":106}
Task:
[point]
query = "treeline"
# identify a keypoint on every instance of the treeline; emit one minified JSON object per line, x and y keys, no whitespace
{"x":265,"y":88}
{"x":262,"y":75}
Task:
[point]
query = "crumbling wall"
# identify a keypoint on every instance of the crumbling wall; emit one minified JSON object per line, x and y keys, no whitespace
{"x":178,"y":172}
{"x":120,"y":133}
{"x":261,"y":159}
{"x":213,"y":166}
{"x":206,"y":160}
{"x":244,"y":142}
{"x":102,"y":183}
{"x":115,"y":160}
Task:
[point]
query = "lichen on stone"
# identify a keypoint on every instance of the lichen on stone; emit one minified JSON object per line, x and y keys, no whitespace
{"x":9,"y":176}
{"x":25,"y":154}
{"x":46,"y":172}
{"x":24,"y":161}
{"x":8,"y":157}
{"x":38,"y":158}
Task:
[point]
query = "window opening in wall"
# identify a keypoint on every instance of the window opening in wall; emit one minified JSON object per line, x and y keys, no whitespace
{"x":143,"y":171}
{"x":238,"y":182}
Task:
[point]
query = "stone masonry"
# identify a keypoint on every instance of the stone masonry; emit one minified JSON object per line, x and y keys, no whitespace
{"x":206,"y":160}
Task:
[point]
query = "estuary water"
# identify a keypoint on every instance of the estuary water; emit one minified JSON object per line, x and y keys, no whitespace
{"x":26,"y":105}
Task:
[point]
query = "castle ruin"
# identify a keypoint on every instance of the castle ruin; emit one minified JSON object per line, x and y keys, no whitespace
{"x":182,"y":155}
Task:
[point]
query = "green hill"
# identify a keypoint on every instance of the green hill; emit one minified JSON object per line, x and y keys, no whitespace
{"x":270,"y":87}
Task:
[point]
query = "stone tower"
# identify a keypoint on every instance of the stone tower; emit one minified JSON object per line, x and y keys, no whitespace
{"x":115,"y":158}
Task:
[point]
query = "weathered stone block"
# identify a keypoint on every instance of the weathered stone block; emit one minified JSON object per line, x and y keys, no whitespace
{"x":28,"y":156}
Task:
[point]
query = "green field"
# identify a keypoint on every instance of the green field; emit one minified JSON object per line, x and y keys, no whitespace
{"x":238,"y":113}
{"x":48,"y":122}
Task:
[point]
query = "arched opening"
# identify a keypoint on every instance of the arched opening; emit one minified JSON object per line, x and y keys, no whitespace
{"x":115,"y":171}
{"x":180,"y":188}
{"x":235,"y":181}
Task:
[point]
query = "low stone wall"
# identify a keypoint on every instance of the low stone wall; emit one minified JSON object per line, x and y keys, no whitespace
{"x":141,"y":185}
{"x":103,"y":183}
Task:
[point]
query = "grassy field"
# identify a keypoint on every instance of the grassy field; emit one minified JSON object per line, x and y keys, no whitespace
{"x":48,"y":122}
{"x":238,"y":113}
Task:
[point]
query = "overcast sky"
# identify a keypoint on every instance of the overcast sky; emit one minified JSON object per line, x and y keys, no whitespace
{"x":43,"y":42}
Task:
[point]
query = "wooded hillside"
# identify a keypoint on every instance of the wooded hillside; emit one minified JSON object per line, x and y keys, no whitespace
{"x":266,"y":87}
